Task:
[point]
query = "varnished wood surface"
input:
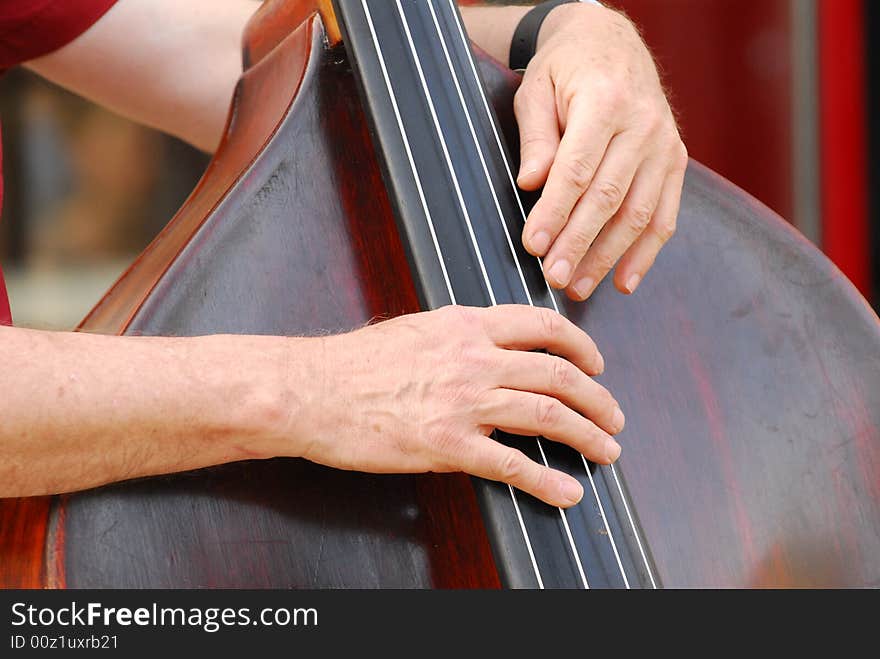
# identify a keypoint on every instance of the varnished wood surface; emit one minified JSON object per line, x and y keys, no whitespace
{"x":23,"y":529}
{"x":748,"y":367}
{"x":303,"y":244}
{"x":252,"y":120}
{"x":749,"y":371}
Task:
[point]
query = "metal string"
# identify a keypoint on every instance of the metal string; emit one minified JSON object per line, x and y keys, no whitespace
{"x":405,"y":139}
{"x":467,"y":115}
{"x":508,"y":169}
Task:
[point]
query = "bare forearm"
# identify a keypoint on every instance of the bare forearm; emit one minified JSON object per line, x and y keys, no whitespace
{"x":83,"y":410}
{"x":174,"y":65}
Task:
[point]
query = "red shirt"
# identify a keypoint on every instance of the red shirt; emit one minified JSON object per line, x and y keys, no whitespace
{"x":30,"y":29}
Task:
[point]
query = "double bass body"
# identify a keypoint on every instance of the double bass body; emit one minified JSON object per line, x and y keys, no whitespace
{"x":748,"y":366}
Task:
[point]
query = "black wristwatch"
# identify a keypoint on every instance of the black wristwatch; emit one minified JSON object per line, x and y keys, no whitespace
{"x":525,"y":37}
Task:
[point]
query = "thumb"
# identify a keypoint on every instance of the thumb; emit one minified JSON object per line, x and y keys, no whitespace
{"x":535,"y":109}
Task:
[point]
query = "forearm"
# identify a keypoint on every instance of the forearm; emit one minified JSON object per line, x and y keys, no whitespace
{"x":82,"y":410}
{"x":168,"y":64}
{"x":174,"y":65}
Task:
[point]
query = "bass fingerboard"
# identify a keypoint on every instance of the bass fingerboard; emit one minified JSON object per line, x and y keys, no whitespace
{"x":460,"y":216}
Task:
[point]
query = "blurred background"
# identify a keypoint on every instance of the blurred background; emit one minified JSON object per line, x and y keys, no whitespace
{"x":776,"y":95}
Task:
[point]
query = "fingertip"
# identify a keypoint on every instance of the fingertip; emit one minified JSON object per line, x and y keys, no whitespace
{"x":537,"y":243}
{"x":632,"y":283}
{"x":558,"y":275}
{"x":581,"y":289}
{"x":570,"y":491}
{"x":612,"y":450}
{"x":530,"y":176}
{"x":527,"y":168}
{"x":618,"y":420}
{"x":594,"y":362}
{"x":626,"y":284}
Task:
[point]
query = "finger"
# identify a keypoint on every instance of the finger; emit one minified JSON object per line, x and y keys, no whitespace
{"x":640,"y":257}
{"x":581,"y":149}
{"x":520,"y":327}
{"x":535,"y":107}
{"x":529,"y":414}
{"x":599,"y":203}
{"x":540,"y":373}
{"x":622,"y":230}
{"x":486,"y":458}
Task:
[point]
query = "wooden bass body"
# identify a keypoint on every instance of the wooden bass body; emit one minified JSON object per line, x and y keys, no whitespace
{"x":748,"y":367}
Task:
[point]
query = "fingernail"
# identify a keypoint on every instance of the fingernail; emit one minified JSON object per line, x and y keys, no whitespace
{"x":601,"y":369}
{"x":612,"y":450}
{"x":618,"y":420}
{"x":559,"y":273}
{"x":526,"y":168}
{"x":571,"y":490}
{"x":584,"y":287}
{"x":540,"y":242}
{"x":632,"y":283}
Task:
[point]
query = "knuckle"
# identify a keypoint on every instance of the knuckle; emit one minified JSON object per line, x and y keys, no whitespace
{"x":578,"y":239}
{"x":561,"y":375}
{"x":447,"y":442}
{"x":451,"y":313}
{"x":594,"y":438}
{"x":607,"y":196}
{"x":639,"y":217}
{"x":547,"y":411}
{"x":608,"y":90}
{"x":463,"y":322}
{"x":579,"y":171}
{"x":532,"y":140}
{"x":555,"y":209}
{"x":665,"y":230}
{"x":606,"y":400}
{"x":603,"y":261}
{"x":649,"y":117}
{"x":481,"y":404}
{"x":512,"y":465}
{"x":540,"y":481}
{"x":463,"y":395}
{"x":549,"y":323}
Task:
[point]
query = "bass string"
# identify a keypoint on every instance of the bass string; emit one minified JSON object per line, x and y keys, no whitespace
{"x":411,"y":160}
{"x":463,"y":206}
{"x":467,"y":115}
{"x":465,"y":44}
{"x":479,"y":255}
{"x":451,"y":168}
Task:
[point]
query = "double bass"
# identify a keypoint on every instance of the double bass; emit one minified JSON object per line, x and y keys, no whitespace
{"x":365,"y":172}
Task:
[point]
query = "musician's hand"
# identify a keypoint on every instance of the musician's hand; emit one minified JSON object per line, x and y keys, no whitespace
{"x":424,"y":392}
{"x":598,"y":134}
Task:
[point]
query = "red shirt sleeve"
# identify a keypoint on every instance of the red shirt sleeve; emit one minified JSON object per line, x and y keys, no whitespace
{"x":32,"y":28}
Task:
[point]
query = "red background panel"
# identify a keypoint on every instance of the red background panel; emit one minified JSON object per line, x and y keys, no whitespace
{"x":727,"y":64}
{"x":843,"y":138}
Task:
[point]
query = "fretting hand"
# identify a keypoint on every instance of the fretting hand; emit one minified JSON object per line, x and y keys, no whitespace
{"x":423,"y":392}
{"x":598,"y":133}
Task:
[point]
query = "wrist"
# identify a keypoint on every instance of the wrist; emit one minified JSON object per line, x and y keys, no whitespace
{"x":562,"y":16}
{"x":263,"y":391}
{"x":542,"y":20}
